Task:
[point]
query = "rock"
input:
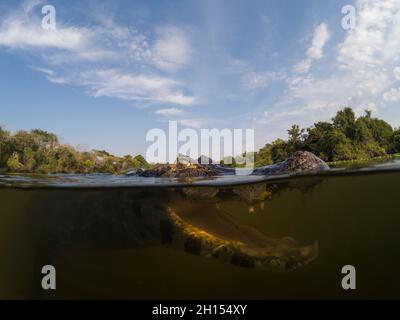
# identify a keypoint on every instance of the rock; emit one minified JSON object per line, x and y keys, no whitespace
{"x":299,"y":162}
{"x":185,"y":160}
{"x":133,"y":171}
{"x":204,"y":160}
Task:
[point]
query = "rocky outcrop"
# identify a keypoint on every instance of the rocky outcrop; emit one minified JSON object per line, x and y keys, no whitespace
{"x":299,"y":162}
{"x":204,"y":160}
{"x":185,"y":160}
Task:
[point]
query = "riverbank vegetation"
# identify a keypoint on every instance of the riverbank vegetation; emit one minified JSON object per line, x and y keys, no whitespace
{"x":40,"y":151}
{"x":344,"y":138}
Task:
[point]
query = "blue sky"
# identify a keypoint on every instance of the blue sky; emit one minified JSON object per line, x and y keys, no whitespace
{"x":112,"y":70}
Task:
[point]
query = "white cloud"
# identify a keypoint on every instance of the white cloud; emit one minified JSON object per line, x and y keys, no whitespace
{"x":117,"y":84}
{"x":365,"y":58}
{"x":363,"y":73}
{"x":274,"y":117}
{"x":393,"y":95}
{"x":371,"y":50}
{"x":171,"y":50}
{"x":315,"y":52}
{"x":396,"y":72}
{"x":46,"y":71}
{"x":51,"y":75}
{"x":196,"y":123}
{"x":375,"y":40}
{"x":257,"y":80}
{"x":57,"y":80}
{"x":321,"y":36}
{"x":169,"y":112}
{"x":139,"y":48}
{"x":14,"y":34}
{"x":303,"y":66}
{"x":21,"y":29}
{"x":93,"y":56}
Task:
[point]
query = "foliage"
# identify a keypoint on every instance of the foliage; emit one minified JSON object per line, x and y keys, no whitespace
{"x":395,"y":145}
{"x":41,"y":151}
{"x":344,"y":138}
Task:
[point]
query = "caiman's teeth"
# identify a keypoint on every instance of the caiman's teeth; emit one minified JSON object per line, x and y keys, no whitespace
{"x":251,"y":209}
{"x":262,"y":205}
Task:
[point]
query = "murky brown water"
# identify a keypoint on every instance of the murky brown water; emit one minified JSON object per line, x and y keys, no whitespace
{"x":282,"y":239}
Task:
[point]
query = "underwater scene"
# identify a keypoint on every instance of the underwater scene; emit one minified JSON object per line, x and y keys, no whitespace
{"x":229,"y":237}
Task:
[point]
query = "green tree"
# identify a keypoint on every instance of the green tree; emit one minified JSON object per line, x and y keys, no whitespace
{"x":345,"y":121}
{"x":279,"y":150}
{"x":263,"y":156}
{"x":142,"y":161}
{"x":395,"y":141}
{"x":44,"y":139}
{"x":295,"y":141}
{"x":5,"y":147}
{"x":28,"y":159}
{"x":13,"y":163}
{"x":339,"y":146}
{"x":319,"y":140}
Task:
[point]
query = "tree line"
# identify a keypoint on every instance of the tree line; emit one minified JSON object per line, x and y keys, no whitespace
{"x":41,"y":151}
{"x":345,"y":137}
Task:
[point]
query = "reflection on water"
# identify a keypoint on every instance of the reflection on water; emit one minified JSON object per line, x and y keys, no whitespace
{"x":284,"y":238}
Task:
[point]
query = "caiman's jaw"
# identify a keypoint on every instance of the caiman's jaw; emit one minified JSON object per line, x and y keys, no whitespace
{"x":259,"y":251}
